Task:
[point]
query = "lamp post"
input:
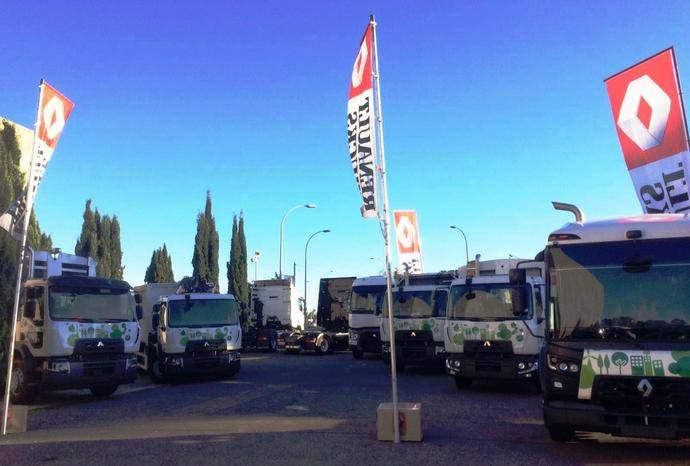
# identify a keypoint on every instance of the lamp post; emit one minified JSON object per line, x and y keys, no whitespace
{"x":467,"y":254}
{"x":255,"y":260}
{"x":305,"y":272}
{"x":282,"y":221}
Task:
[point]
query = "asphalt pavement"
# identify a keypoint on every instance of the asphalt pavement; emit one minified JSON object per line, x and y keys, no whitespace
{"x":307,"y":409}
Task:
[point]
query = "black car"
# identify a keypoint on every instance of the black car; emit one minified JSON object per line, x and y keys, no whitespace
{"x":314,"y":339}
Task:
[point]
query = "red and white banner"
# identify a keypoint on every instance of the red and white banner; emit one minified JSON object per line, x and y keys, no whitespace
{"x":360,"y":126}
{"x":407,"y":235}
{"x":53,"y":111}
{"x":650,"y":121}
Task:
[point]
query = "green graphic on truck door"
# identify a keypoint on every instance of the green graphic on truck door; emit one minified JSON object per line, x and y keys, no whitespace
{"x":630,"y":362}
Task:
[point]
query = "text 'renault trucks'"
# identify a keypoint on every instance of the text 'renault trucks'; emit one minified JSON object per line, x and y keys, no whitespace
{"x":76,"y":330}
{"x":330,"y":332}
{"x":617,"y":351}
{"x":187,"y":333}
{"x":364,"y":315}
{"x":419,"y":315}
{"x":495,"y":322}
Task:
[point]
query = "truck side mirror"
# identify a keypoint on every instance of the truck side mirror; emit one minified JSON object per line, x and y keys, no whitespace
{"x":30,"y":309}
{"x":139,"y":311}
{"x":137,"y":298}
{"x":155,"y":321}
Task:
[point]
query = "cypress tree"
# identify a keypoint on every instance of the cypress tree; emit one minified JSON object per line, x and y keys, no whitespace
{"x":116,"y":249}
{"x":160,"y":268}
{"x":244,"y":289}
{"x":104,"y":266}
{"x":232,"y":263}
{"x":87,"y":245}
{"x":205,"y":258}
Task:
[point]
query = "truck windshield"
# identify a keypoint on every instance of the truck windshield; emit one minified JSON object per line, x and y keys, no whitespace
{"x":629,"y":290}
{"x":494,"y":301}
{"x":202,"y":312}
{"x":410,"y":304}
{"x":91,"y":304}
{"x":366,"y":299}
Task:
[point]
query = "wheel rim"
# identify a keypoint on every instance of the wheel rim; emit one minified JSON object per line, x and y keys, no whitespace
{"x":324,"y":345}
{"x":17,"y":380}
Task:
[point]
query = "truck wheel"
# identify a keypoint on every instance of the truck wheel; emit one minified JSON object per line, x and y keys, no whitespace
{"x":357,"y":353}
{"x":324,"y":346}
{"x":561,"y":433}
{"x":463,"y":383}
{"x":155,"y":369}
{"x":103,"y":390}
{"x":20,"y":391}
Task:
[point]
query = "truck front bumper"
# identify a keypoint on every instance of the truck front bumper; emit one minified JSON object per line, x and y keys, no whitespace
{"x":366,"y":340}
{"x":497,"y":367}
{"x":594,"y":418}
{"x":431,"y":355}
{"x":199,"y":363}
{"x":67,"y":373}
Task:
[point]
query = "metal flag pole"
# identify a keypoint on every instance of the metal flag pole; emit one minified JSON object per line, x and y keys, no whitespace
{"x":20,"y":266}
{"x":386,"y":234}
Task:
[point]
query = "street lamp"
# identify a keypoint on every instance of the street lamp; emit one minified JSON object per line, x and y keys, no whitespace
{"x":282,"y":221}
{"x":305,"y":271}
{"x":255,"y":260}
{"x":467,"y":254}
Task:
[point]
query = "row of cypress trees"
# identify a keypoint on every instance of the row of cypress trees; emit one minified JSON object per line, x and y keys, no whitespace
{"x":11,"y":185}
{"x":205,"y":258}
{"x":100,"y":240}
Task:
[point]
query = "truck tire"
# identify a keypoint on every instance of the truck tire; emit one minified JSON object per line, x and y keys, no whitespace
{"x":324,"y":347}
{"x":463,"y":383}
{"x":357,"y":353}
{"x":561,"y":433}
{"x":103,"y":390}
{"x":20,"y":391}
{"x":155,"y":369}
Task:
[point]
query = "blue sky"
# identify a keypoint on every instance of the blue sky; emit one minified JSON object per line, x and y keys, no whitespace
{"x":491,"y":110}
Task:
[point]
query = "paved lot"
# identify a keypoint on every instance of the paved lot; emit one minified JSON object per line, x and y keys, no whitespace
{"x":306,"y":409}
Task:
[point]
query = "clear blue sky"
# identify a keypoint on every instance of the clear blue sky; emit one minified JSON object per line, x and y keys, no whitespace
{"x":491,"y":110}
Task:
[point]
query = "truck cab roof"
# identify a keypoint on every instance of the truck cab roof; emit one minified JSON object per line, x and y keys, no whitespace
{"x":646,"y":226}
{"x":179,"y":297}
{"x":81,"y":282}
{"x":375,"y":280}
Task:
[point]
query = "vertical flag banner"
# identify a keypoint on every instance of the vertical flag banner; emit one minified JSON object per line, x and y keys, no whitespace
{"x":360,"y":126}
{"x":650,"y":120}
{"x":407,"y":234}
{"x":53,"y":111}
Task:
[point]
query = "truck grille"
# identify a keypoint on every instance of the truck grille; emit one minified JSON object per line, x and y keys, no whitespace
{"x":196,"y":346}
{"x":99,"y":368}
{"x":488,"y":349}
{"x":668,"y":395}
{"x":88,"y":346}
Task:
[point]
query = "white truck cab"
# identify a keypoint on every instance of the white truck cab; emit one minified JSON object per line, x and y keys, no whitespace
{"x":617,"y":353}
{"x":494,"y":328}
{"x":188,"y":333}
{"x":75,"y":330}
{"x":364,"y":315}
{"x":419,"y":315}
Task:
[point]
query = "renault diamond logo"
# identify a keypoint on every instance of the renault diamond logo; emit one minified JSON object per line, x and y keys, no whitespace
{"x":413,"y":334}
{"x":487,"y":344}
{"x":100,"y":344}
{"x":645,"y":388}
{"x":206,"y":345}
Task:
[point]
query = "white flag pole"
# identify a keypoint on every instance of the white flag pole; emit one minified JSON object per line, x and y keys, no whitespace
{"x":20,"y":266}
{"x":384,"y":217}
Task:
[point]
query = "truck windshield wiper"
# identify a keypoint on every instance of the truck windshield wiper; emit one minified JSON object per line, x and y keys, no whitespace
{"x":676,"y":331}
{"x":81,"y":319}
{"x":618,"y":333}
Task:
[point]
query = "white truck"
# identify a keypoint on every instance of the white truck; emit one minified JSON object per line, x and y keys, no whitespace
{"x":617,"y":352}
{"x":279,"y":301}
{"x":494,"y":327}
{"x":364,"y":315}
{"x":186,"y":334}
{"x":75,"y":330}
{"x":419,"y":315}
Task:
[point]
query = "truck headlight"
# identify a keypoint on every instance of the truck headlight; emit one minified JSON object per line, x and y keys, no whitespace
{"x":233,"y":356}
{"x":176,"y":361}
{"x":557,"y":364}
{"x":354,"y":336}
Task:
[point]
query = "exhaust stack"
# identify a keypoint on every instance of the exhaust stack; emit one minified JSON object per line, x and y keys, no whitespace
{"x":572,"y":208}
